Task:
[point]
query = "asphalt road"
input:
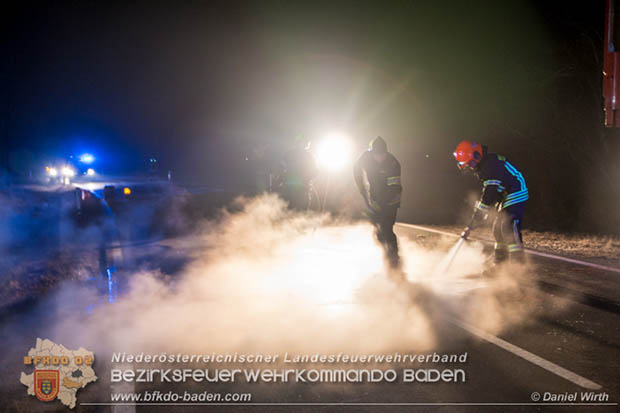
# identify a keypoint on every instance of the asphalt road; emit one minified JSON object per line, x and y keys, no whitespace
{"x":567,"y":344}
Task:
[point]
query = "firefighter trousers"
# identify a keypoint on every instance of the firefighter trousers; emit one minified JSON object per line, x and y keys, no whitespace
{"x":507,"y":233}
{"x":383,"y":222}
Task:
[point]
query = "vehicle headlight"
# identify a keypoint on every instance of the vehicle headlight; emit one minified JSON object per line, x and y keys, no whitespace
{"x":67,"y":171}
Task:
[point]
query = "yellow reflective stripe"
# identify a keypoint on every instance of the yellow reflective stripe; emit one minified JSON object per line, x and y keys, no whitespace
{"x":515,"y":247}
{"x":482,"y":206}
{"x":492,"y":182}
{"x":393,"y":180}
{"x":500,"y":246}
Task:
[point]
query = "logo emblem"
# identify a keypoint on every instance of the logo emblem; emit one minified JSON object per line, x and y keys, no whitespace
{"x":46,"y":384}
{"x":55,"y":365}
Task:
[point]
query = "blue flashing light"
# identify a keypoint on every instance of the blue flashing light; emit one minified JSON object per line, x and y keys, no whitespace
{"x":87,"y":158}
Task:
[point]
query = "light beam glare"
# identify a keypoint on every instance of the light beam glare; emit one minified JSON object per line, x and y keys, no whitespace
{"x":334,"y":152}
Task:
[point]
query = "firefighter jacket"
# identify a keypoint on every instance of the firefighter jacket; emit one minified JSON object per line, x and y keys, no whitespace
{"x":384,"y":186}
{"x":298,"y":168}
{"x":503,"y":184}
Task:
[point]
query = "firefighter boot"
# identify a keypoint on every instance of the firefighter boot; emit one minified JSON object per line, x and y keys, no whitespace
{"x":501,"y":253}
{"x":517,"y":255}
{"x":493,"y":264}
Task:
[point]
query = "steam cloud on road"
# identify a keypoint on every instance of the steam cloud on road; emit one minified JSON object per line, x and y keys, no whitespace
{"x":267,"y":279}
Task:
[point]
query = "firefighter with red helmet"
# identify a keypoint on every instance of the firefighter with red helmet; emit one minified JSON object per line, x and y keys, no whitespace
{"x":381,"y":191}
{"x":504,"y":188}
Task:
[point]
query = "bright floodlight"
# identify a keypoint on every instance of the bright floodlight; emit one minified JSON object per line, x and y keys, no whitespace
{"x":334,"y":152}
{"x":87,"y":158}
{"x":66,"y":171}
{"x":90,"y":172}
{"x":52,"y":171}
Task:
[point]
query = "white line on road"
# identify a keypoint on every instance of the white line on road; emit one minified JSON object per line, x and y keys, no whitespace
{"x":518,"y":351}
{"x":573,"y":261}
{"x":532,"y":358}
{"x":527,"y":250}
{"x":435,"y":231}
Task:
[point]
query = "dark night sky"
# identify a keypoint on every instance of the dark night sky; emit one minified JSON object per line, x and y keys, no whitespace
{"x":197,"y":83}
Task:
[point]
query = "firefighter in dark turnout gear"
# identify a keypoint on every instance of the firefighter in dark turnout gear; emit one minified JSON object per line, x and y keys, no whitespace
{"x":298,"y":168}
{"x":381,"y":191}
{"x":504,"y":188}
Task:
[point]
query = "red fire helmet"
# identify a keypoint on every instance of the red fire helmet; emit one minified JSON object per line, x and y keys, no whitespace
{"x":468,"y":153}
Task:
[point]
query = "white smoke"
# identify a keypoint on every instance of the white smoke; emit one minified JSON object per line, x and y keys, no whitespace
{"x":268,"y":279}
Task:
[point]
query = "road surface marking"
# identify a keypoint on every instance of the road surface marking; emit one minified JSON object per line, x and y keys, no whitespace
{"x":435,"y":231}
{"x":573,"y":261}
{"x":527,"y":250}
{"x":531,"y":357}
